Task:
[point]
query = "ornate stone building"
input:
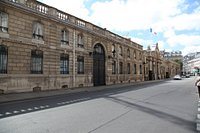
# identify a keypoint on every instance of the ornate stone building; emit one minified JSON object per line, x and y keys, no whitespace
{"x":43,"y":48}
{"x":156,"y":67}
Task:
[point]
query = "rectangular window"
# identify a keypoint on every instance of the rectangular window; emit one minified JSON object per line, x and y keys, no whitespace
{"x":120,"y":51}
{"x":128,"y":53}
{"x":64,"y":64}
{"x":80,"y":41}
{"x":128,"y":68}
{"x":64,"y":37}
{"x":38,"y":31}
{"x":36,"y":62}
{"x":80,"y":64}
{"x":114,"y":67}
{"x":3,"y":59}
{"x":134,"y":69}
{"x":120,"y":68}
{"x":140,"y":69}
{"x":3,"y":22}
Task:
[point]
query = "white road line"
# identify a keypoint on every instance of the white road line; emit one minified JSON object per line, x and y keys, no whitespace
{"x":46,"y":106}
{"x":36,"y":108}
{"x":22,"y":110}
{"x":41,"y":107}
{"x":8,"y":113}
{"x":198,"y":116}
{"x":29,"y":109}
{"x":15,"y":112}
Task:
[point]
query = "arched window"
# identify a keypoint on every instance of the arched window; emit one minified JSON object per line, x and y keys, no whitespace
{"x":3,"y":59}
{"x":36,"y":62}
{"x":38,"y":31}
{"x":3,"y":22}
{"x":64,"y":37}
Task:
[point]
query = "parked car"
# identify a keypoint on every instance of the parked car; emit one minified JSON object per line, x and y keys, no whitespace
{"x":187,"y":75}
{"x":177,"y":77}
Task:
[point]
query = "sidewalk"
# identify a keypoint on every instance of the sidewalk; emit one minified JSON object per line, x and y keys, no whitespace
{"x":32,"y":95}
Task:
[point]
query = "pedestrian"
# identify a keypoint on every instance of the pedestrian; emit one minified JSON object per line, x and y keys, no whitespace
{"x":197,"y":83}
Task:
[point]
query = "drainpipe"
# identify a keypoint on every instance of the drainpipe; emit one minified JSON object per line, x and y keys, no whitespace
{"x":74,"y":58}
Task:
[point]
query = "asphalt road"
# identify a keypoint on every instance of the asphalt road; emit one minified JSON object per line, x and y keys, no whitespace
{"x":165,"y":107}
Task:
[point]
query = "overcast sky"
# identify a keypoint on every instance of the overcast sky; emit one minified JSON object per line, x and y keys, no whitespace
{"x":175,"y":23}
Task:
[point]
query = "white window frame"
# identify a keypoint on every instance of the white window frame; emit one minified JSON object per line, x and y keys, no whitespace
{"x":3,"y":22}
{"x":38,"y":31}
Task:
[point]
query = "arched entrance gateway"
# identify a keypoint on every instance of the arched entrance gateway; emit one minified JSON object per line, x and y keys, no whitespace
{"x":98,"y":65}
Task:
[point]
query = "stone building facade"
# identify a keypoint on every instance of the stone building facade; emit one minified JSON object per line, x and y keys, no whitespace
{"x":157,"y":67}
{"x":43,"y":48}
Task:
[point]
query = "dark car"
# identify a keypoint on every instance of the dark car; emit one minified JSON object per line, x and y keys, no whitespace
{"x":187,"y":75}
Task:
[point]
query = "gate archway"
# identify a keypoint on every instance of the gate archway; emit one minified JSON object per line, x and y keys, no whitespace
{"x":98,"y":65}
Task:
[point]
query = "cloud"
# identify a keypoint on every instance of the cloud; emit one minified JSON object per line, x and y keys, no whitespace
{"x":190,"y":49}
{"x":176,"y":21}
{"x":133,"y":14}
{"x":184,"y":40}
{"x":73,"y":7}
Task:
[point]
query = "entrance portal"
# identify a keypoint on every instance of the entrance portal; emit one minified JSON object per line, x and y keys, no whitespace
{"x":98,"y":65}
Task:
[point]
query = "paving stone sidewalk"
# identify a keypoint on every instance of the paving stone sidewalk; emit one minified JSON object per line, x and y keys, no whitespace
{"x":31,"y":95}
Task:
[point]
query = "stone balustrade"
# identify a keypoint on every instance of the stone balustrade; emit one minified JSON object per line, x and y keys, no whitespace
{"x":57,"y":14}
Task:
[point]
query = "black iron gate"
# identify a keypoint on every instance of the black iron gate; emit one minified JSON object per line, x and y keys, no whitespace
{"x":98,"y":65}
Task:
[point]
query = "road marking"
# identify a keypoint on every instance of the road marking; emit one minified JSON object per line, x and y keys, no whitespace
{"x":1,"y":115}
{"x":22,"y":110}
{"x":29,"y":109}
{"x":15,"y":112}
{"x":8,"y":113}
{"x":47,"y":106}
{"x":41,"y":107}
{"x":36,"y":108}
{"x":198,"y":116}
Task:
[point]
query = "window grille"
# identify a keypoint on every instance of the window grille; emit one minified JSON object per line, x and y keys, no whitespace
{"x":36,"y":62}
{"x":80,"y":63}
{"x":64,"y":64}
{"x":120,"y":68}
{"x":128,"y":68}
{"x":3,"y":59}
{"x":114,"y":67}
{"x":134,"y":69}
